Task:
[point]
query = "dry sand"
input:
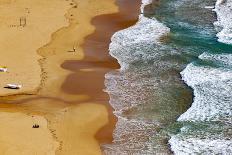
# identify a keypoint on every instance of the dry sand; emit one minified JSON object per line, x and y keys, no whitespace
{"x":69,"y":122}
{"x":63,"y":41}
{"x":19,"y":44}
{"x":64,"y":130}
{"x":52,"y":29}
{"x":17,"y":137}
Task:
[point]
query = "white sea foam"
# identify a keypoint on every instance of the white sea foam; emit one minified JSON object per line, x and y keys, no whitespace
{"x":212,"y":103}
{"x":223,"y":9}
{"x":133,"y":136}
{"x":146,"y":31}
{"x":142,"y":105}
{"x":209,"y":7}
{"x":144,"y":3}
{"x":183,"y":145}
{"x":203,"y":138}
{"x":212,"y":87}
{"x":212,"y":91}
{"x":221,"y":59}
{"x":219,"y":2}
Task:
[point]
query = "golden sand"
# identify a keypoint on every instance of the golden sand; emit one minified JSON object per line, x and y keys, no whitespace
{"x":64,"y":130}
{"x":17,"y":137}
{"x":78,"y":126}
{"x":19,"y":42}
{"x":34,"y":52}
{"x":54,"y":27}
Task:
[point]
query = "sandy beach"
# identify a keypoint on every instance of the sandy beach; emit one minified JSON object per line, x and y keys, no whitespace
{"x":20,"y":41}
{"x":70,"y":107}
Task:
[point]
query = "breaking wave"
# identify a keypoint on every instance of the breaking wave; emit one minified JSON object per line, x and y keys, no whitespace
{"x":148,"y":94}
{"x":207,"y":123}
{"x":212,"y":87}
{"x":141,"y":91}
{"x":128,"y":45}
{"x":223,"y":8}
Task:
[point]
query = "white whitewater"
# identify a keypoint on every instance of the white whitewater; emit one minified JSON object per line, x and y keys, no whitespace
{"x":212,"y":103}
{"x":212,"y":87}
{"x":208,"y":121}
{"x":223,"y":8}
{"x":146,"y":31}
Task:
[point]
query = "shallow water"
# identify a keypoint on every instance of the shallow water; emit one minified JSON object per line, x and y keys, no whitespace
{"x":148,"y":94}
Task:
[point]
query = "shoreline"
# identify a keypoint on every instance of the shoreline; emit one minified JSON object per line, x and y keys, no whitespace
{"x":55,"y":106}
{"x":223,"y":24}
{"x":98,"y":65}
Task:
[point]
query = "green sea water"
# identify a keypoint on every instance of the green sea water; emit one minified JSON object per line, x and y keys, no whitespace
{"x":150,"y":95}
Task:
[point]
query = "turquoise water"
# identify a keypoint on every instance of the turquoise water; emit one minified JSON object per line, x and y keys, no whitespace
{"x":209,"y":118}
{"x":149,"y":96}
{"x":194,"y":29}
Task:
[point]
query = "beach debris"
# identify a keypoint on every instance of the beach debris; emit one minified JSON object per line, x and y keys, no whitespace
{"x":27,"y":10}
{"x":3,"y":69}
{"x":13,"y":86}
{"x":22,"y":21}
{"x":219,"y":2}
{"x":73,"y":50}
{"x":35,"y":126}
{"x":209,"y":7}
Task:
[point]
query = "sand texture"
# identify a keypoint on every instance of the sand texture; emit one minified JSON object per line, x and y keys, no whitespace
{"x":20,"y":42}
{"x":18,"y":137}
{"x":36,"y":37}
{"x":73,"y":119}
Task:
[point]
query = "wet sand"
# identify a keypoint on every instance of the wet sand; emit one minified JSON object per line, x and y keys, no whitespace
{"x":97,"y":61}
{"x":71,"y":107}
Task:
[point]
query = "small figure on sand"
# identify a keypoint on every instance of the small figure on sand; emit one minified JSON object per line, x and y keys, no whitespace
{"x":22,"y":21}
{"x":13,"y":86}
{"x":3,"y":69}
{"x":35,"y":126}
{"x":73,"y":50}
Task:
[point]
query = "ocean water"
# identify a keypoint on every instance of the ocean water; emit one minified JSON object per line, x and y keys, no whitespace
{"x":224,"y":20}
{"x":173,"y":92}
